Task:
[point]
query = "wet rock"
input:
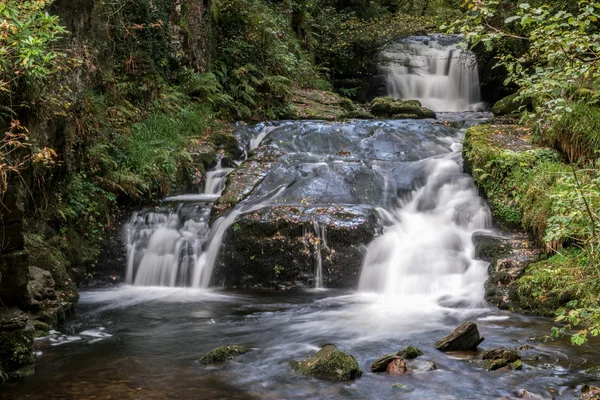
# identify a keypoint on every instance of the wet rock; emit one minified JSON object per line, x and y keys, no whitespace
{"x":501,"y":353}
{"x":465,"y":337}
{"x":410,"y":352}
{"x":388,"y":107}
{"x":381,"y":364}
{"x":489,"y":247}
{"x":517,"y":365}
{"x":492,"y":365}
{"x":525,"y":347}
{"x":223,"y":353}
{"x":330,"y":363}
{"x":398,"y":366}
{"x":282,"y":245}
{"x":41,"y":329}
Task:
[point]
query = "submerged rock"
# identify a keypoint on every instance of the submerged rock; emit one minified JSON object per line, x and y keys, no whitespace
{"x":398,"y":366}
{"x":388,"y":107}
{"x":421,"y":365}
{"x":500,"y":352}
{"x":223,"y":353}
{"x":330,"y":363}
{"x":465,"y":337}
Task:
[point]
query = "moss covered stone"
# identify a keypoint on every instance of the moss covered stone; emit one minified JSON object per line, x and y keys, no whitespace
{"x":410,"y":353}
{"x":223,"y":353}
{"x":330,"y":363}
{"x":492,"y":365}
{"x":510,"y":105}
{"x":357,"y":114}
{"x":16,"y":340}
{"x":388,"y":107}
{"x":517,"y":365}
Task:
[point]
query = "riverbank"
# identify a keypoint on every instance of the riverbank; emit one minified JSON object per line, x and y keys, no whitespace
{"x":530,"y":186}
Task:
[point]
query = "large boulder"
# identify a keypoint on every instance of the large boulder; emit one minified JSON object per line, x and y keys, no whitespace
{"x":465,"y":337}
{"x":388,"y":107}
{"x":223,"y":353}
{"x":330,"y":363}
{"x":283,"y":245}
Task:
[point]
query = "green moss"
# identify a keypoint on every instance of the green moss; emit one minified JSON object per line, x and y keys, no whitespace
{"x":510,"y":105}
{"x":410,"y":352}
{"x":388,"y":107}
{"x":517,"y":365}
{"x":41,"y":329}
{"x":555,"y":282}
{"x":329,"y":363}
{"x":223,"y":353}
{"x":357,"y":114}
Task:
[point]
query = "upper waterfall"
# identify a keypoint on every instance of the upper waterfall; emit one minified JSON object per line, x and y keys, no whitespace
{"x":436,"y":71}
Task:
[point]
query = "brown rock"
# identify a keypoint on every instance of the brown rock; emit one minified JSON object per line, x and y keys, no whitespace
{"x":398,"y":367}
{"x":465,"y":337}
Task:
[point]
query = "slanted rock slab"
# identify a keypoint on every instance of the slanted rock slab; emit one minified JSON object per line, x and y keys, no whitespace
{"x":223,"y":353}
{"x":465,"y":337}
{"x":331,"y":364}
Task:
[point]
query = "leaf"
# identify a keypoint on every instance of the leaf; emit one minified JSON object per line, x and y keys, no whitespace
{"x":524,"y":6}
{"x":511,"y":19}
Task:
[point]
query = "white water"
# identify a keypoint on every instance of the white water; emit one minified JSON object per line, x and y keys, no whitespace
{"x":167,"y":249}
{"x":321,"y":234}
{"x":426,"y":256}
{"x":442,"y":76}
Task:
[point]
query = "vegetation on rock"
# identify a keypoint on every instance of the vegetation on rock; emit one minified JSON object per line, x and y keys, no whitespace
{"x":329,"y":363}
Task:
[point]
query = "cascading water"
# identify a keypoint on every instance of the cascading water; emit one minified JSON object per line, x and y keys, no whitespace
{"x":166,"y":249}
{"x":425,"y":254}
{"x":435,"y":71}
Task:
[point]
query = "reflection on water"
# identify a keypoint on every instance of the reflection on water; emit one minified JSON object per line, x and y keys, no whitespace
{"x":144,"y":343}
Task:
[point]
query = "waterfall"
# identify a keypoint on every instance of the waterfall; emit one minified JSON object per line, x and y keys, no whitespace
{"x":166,"y":248}
{"x":436,"y":71}
{"x":426,"y":253}
{"x":321,"y":234}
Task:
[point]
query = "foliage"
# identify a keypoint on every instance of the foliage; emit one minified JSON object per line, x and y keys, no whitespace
{"x":27,"y":55}
{"x":577,"y":132}
{"x":562,"y":45}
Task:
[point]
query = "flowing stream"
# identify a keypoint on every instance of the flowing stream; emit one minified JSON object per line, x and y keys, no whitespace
{"x":419,"y":276}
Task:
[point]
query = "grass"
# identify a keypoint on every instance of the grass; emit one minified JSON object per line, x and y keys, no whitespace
{"x":577,"y":133}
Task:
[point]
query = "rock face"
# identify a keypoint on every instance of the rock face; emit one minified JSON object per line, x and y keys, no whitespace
{"x":329,"y":363}
{"x":223,"y":353}
{"x":388,"y":107}
{"x":465,"y":337}
{"x":285,"y":244}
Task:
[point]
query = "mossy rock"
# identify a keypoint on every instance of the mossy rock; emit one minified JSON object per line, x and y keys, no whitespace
{"x":410,"y":353}
{"x":223,"y":353}
{"x":357,"y":114}
{"x":510,"y":105}
{"x":517,"y":365}
{"x":346,"y":104}
{"x":330,"y":363}
{"x":388,"y":107}
{"x":41,"y":329}
{"x":399,"y":386}
{"x":492,"y":365}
